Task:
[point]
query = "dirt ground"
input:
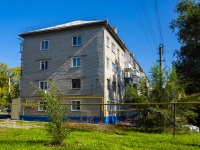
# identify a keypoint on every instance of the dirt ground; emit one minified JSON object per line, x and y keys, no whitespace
{"x":17,"y":124}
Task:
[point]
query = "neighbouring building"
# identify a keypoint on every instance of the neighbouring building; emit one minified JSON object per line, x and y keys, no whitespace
{"x":86,"y":60}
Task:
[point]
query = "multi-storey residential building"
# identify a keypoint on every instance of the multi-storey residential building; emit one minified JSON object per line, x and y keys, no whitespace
{"x":85,"y":59}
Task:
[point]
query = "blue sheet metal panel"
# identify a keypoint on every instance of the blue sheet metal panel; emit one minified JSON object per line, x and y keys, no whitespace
{"x":35,"y":118}
{"x":88,"y":119}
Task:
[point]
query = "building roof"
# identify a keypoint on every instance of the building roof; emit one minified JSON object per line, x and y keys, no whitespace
{"x":76,"y":24}
{"x":73,"y":24}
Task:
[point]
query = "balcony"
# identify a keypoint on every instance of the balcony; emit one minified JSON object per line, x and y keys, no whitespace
{"x":131,"y":76}
{"x":128,"y":73}
{"x":136,"y":79}
{"x":128,"y":64}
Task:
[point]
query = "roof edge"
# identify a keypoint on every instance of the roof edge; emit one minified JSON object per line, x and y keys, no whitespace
{"x":60,"y":27}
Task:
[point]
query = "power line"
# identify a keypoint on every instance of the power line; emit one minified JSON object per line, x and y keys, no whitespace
{"x":158,"y":21}
{"x":159,"y":27}
{"x":144,"y":8}
{"x":143,"y":27}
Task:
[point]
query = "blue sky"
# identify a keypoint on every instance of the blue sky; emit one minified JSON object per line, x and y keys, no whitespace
{"x":22,"y":15}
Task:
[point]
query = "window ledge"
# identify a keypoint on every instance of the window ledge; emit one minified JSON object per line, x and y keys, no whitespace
{"x":75,"y":45}
{"x":75,"y":110}
{"x":113,"y":52}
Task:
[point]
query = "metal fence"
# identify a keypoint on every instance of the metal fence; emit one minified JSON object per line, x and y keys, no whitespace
{"x":112,"y":113}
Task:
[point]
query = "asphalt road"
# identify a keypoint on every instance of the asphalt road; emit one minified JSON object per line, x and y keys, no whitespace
{"x":5,"y":115}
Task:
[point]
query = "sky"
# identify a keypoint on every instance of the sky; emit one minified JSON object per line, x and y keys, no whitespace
{"x":136,"y":21}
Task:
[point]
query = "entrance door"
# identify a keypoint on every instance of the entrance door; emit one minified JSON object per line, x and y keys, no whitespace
{"x":15,"y":109}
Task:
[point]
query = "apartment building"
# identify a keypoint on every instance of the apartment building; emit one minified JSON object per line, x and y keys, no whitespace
{"x":86,"y":60}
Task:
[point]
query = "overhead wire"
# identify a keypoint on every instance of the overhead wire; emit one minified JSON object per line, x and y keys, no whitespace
{"x":146,"y":14}
{"x":158,"y":21}
{"x":143,"y":28}
{"x":160,"y":29}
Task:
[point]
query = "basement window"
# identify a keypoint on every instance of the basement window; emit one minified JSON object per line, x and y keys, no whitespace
{"x":42,"y":105}
{"x":75,"y":106}
{"x":76,"y":83}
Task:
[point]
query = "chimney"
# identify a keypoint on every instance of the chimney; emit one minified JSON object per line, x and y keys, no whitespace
{"x":115,"y":29}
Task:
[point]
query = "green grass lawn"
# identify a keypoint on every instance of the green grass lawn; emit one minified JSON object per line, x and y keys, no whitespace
{"x":89,"y":137}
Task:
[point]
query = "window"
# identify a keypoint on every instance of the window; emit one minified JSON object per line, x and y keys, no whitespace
{"x":76,"y":83}
{"x":43,"y":85}
{"x":44,"y":45}
{"x":75,"y":106}
{"x":108,"y":106}
{"x":43,"y":65}
{"x":113,"y":107}
{"x":122,"y":74}
{"x":113,"y":48}
{"x":118,"y":53}
{"x":21,"y":47}
{"x":114,"y":87}
{"x":108,"y":62}
{"x":113,"y":67}
{"x":119,"y":72}
{"x":76,"y":62}
{"x":108,"y":84}
{"x":42,"y":105}
{"x":122,"y":54}
{"x":76,"y":41}
{"x":107,"y":41}
{"x":119,"y":89}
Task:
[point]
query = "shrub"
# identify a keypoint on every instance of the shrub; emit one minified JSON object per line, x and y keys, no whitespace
{"x":58,"y":124}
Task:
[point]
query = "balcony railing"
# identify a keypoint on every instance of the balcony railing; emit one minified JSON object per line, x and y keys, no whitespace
{"x":129,"y":73}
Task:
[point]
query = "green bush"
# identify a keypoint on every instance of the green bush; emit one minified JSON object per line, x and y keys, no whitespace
{"x":58,"y":124}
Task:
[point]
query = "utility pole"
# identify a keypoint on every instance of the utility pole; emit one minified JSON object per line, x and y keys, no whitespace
{"x":9,"y":97}
{"x":160,"y":62}
{"x":160,"y":56}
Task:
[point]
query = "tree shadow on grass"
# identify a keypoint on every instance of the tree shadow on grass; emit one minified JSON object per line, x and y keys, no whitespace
{"x":195,"y":145}
{"x":16,"y":141}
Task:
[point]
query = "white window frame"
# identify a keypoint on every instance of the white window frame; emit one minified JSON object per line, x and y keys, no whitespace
{"x":119,"y":72}
{"x":108,"y":84}
{"x":108,"y":106}
{"x":113,"y":48}
{"x":113,"y":107}
{"x":122,"y":56}
{"x":41,"y":45}
{"x":118,"y":53}
{"x":43,"y":104}
{"x":46,"y":85}
{"x":75,"y":104}
{"x":72,"y":62}
{"x":79,"y":84}
{"x":107,"y":62}
{"x":114,"y":86}
{"x":107,"y":41}
{"x":43,"y":65}
{"x":77,"y":41}
{"x":113,"y":67}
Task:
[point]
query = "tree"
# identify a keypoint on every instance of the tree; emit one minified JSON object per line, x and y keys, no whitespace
{"x":171,"y":89}
{"x":57,"y":127}
{"x":5,"y":74}
{"x":187,"y":28}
